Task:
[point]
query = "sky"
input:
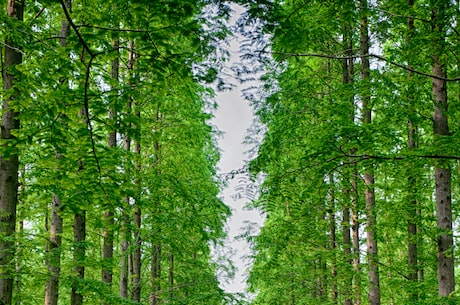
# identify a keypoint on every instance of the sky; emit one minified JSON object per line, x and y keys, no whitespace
{"x":233,"y":118}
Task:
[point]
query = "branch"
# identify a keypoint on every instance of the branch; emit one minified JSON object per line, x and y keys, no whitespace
{"x":379,"y":57}
{"x":74,"y":27}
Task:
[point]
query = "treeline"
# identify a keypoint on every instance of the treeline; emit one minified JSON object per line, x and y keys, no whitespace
{"x":108,"y":188}
{"x":360,"y":103}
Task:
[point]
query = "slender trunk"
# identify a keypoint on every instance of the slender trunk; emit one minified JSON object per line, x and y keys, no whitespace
{"x":333,"y":241}
{"x":54,"y":256}
{"x":442,"y":172}
{"x":137,"y":253}
{"x":171,"y":277}
{"x":18,"y":286}
{"x":9,"y":165}
{"x":412,"y":255}
{"x":79,"y":227}
{"x":107,"y":248}
{"x":155,"y":273}
{"x":371,"y":220}
{"x":136,"y":276}
{"x":126,"y":232}
{"x":347,"y":80}
{"x":54,"y":247}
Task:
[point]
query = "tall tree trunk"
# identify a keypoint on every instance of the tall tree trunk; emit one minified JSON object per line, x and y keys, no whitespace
{"x":54,"y":256}
{"x":347,"y":80}
{"x":137,"y":249}
{"x":107,"y":248}
{"x":9,"y":165}
{"x":137,"y":255}
{"x":442,"y":172}
{"x":412,"y":255}
{"x":155,"y":273}
{"x":79,"y":252}
{"x":56,"y":230}
{"x":171,"y":277}
{"x":371,"y":221}
{"x":126,"y":232}
{"x":333,"y":241}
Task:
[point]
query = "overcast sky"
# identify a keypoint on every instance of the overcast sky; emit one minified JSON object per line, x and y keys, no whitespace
{"x":233,"y":117}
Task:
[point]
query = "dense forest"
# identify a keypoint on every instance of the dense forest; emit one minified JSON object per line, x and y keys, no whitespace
{"x":360,"y":159}
{"x":109,"y":186}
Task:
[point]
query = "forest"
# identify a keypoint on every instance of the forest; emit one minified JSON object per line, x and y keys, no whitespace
{"x":109,"y":181}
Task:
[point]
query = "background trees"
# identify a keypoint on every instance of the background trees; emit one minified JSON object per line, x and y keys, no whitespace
{"x":117,"y":159}
{"x":353,"y":152}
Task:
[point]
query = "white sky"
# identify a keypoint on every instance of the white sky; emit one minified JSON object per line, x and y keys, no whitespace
{"x":233,"y":117}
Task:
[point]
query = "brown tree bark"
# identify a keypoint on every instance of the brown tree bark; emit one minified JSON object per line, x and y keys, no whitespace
{"x":442,"y":172}
{"x":412,"y":228}
{"x":54,"y":255}
{"x":349,"y":191}
{"x":333,"y":241}
{"x":126,"y":221}
{"x":9,"y":164}
{"x":107,"y":247}
{"x":56,"y":229}
{"x":155,"y":273}
{"x":79,"y":252}
{"x":371,"y":220}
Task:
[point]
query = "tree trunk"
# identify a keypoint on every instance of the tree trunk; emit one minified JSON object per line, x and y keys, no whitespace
{"x":79,"y":251}
{"x":155,"y":273}
{"x":412,"y":255}
{"x":126,"y":232}
{"x":9,"y":165}
{"x":54,"y":257}
{"x":350,"y":192}
{"x":333,"y":241}
{"x":56,"y":230}
{"x":137,"y":253}
{"x":371,"y":221}
{"x":107,"y":248}
{"x":442,"y":172}
{"x":171,"y":277}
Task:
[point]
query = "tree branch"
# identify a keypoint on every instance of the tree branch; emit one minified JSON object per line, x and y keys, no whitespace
{"x":379,"y":57}
{"x":74,"y":27}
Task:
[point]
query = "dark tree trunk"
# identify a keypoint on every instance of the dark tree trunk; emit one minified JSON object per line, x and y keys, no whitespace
{"x":79,"y":252}
{"x":9,"y":165}
{"x":107,"y":247}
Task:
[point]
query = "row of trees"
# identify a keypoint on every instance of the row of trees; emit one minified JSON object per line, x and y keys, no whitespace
{"x":360,"y":155}
{"x":108,"y":189}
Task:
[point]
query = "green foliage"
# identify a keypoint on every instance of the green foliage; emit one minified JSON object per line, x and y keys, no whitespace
{"x":317,"y":147}
{"x":66,"y":94}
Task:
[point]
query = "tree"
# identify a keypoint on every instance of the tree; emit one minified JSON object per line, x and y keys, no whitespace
{"x":9,"y":158}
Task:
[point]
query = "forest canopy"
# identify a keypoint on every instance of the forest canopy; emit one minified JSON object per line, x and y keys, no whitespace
{"x":109,"y":185}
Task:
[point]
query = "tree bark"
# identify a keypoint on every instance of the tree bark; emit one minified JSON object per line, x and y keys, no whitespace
{"x":155,"y":273}
{"x":371,"y":221}
{"x":79,"y":252}
{"x":349,"y":191}
{"x":54,"y":255}
{"x":56,"y":230}
{"x":333,"y":241}
{"x":412,"y":231}
{"x":126,"y":221}
{"x":442,"y":172}
{"x":109,"y":220}
{"x":9,"y":164}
